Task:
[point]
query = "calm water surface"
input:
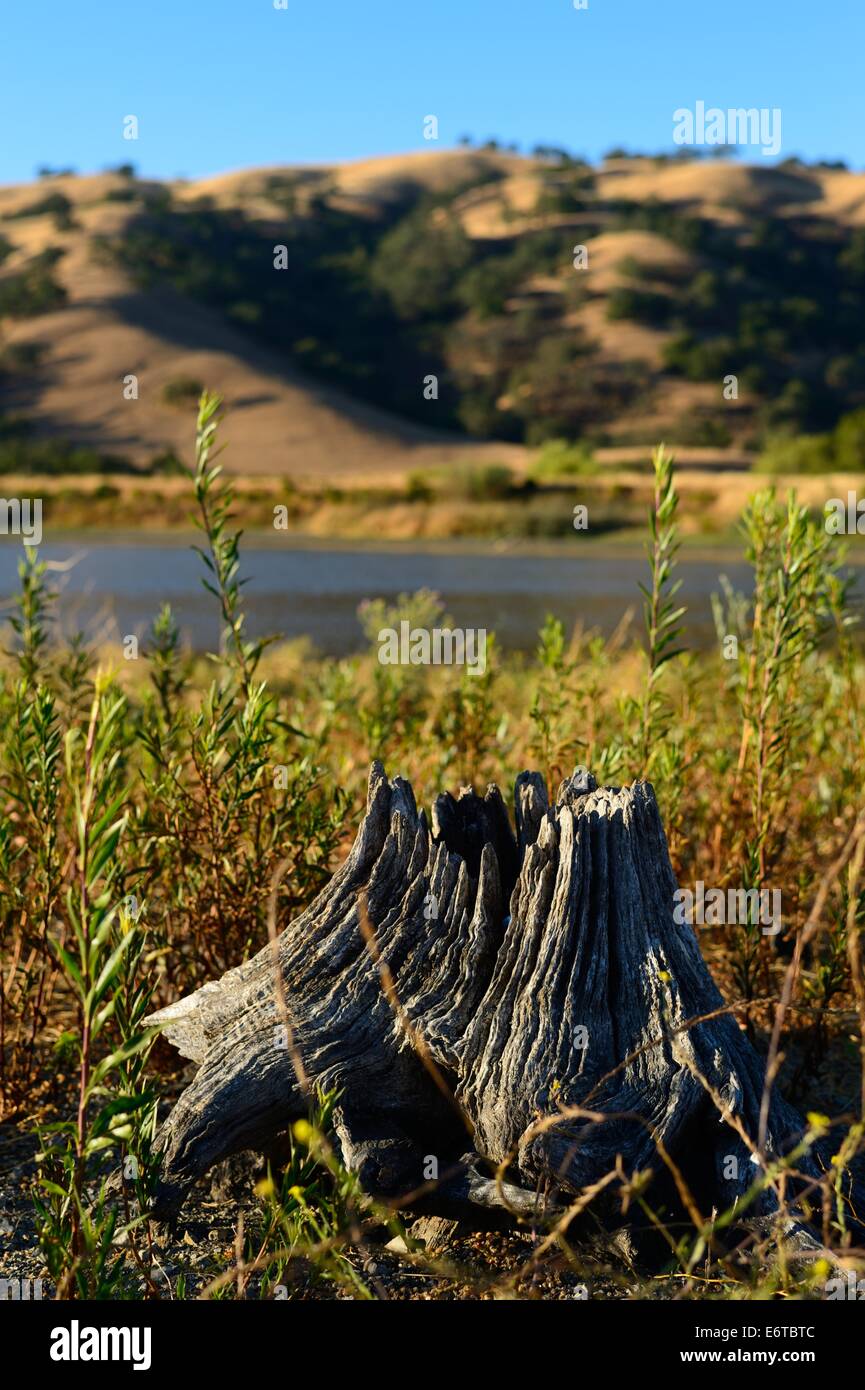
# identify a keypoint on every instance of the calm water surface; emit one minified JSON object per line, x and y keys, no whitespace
{"x":111,"y":589}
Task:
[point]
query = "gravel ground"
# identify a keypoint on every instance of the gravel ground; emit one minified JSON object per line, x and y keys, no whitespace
{"x":450,"y":1261}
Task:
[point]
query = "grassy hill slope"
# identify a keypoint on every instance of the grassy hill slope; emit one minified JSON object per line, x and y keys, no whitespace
{"x":455,"y":265}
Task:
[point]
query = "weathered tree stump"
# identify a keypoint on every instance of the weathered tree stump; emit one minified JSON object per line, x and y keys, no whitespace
{"x":458,"y":984}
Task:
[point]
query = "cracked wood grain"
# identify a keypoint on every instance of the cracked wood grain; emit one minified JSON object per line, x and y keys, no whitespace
{"x":544,"y":972}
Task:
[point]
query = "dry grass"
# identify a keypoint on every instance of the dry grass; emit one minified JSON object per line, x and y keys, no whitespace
{"x":282,"y":421}
{"x":758,"y":763}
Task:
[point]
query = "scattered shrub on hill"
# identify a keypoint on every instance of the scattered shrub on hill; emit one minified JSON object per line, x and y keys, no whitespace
{"x":418,"y":264}
{"x":805,"y":453}
{"x":555,"y":155}
{"x":641,"y":306}
{"x":182,"y":391}
{"x":20,"y":357}
{"x":157,"y":199}
{"x":484,"y":288}
{"x":691,"y":233}
{"x":565,"y":389}
{"x":841,"y":449}
{"x":377,"y":304}
{"x":699,"y":360}
{"x":706,"y":433}
{"x":321,"y":309}
{"x":703,"y":297}
{"x":568,"y":194}
{"x":167,"y":464}
{"x":56,"y":203}
{"x":56,"y":456}
{"x":21,"y":453}
{"x":33,"y":290}
{"x":417,"y":488}
{"x":282,"y":189}
{"x":844,"y":377}
{"x":799,"y":408}
{"x":489,"y":482}
{"x":558,"y":458}
{"x":849,"y":441}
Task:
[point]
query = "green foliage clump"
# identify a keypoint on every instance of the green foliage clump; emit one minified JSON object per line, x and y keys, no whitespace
{"x":418,"y":487}
{"x":642,"y":306}
{"x":418,"y":264}
{"x":19,"y":453}
{"x":488,"y":482}
{"x":132,"y":827}
{"x":558,"y":458}
{"x":840,"y":450}
{"x":181,"y":390}
{"x":33,"y":290}
{"x":55,"y":203}
{"x":804,"y":453}
{"x":21,"y":357}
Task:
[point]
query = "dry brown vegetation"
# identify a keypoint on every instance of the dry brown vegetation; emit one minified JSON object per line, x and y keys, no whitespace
{"x":145,"y":845}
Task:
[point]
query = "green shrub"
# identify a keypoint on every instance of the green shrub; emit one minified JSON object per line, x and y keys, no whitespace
{"x":793,"y":411}
{"x":700,"y":360}
{"x":167,"y":464}
{"x":805,"y":453}
{"x":708,"y":433}
{"x":20,"y":357}
{"x":32,"y":291}
{"x":182,"y":391}
{"x":485,"y":288}
{"x":417,"y":488}
{"x":20,"y":454}
{"x":641,"y":306}
{"x":559,"y":459}
{"x":489,"y":482}
{"x":417,"y":264}
{"x":56,"y":203}
{"x":849,"y":437}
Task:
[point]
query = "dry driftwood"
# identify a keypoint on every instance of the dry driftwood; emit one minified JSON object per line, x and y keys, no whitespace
{"x":457,"y":983}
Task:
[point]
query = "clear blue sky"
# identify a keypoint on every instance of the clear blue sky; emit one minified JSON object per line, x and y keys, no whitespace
{"x":219,"y":84}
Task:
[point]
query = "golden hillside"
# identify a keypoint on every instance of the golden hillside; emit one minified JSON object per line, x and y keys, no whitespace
{"x":307,"y":407}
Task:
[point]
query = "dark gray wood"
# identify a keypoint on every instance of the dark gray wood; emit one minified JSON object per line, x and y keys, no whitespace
{"x":509,"y":975}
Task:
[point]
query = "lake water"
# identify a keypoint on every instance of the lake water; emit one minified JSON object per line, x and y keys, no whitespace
{"x":113,"y":589}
